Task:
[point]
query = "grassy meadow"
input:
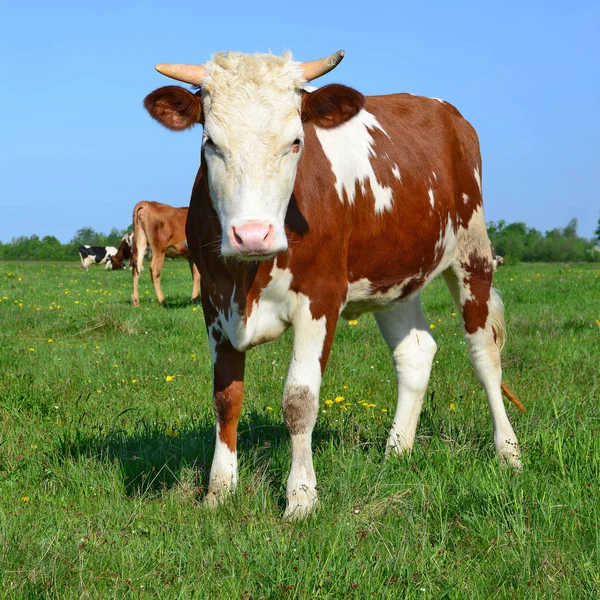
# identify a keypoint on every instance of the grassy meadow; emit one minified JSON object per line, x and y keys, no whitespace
{"x":107,"y":432}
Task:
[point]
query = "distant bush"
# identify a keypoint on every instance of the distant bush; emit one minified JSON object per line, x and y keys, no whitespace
{"x":50,"y":248}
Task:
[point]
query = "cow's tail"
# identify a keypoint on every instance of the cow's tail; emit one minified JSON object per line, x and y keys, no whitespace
{"x":140,"y":239}
{"x":499,"y":330}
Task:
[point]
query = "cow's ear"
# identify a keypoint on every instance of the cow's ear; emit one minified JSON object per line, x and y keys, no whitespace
{"x":331,"y":105}
{"x":174,"y":107}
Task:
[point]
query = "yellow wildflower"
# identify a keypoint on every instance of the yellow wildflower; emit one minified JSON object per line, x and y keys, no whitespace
{"x":339,"y":399}
{"x":452,"y":406}
{"x":31,"y":349}
{"x":25,"y":498}
{"x":50,"y":340}
{"x":134,"y":381}
{"x":453,"y":314}
{"x":329,"y":402}
{"x":345,"y":387}
{"x":269,"y":408}
{"x":169,"y":377}
{"x":353,"y":322}
{"x":432,"y":326}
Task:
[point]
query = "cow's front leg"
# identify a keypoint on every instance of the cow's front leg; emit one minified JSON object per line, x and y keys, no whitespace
{"x":312,"y":343}
{"x":228,"y":396}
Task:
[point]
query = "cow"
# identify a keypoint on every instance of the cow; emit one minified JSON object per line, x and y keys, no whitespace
{"x":116,"y":262}
{"x":497,"y":260}
{"x":312,"y":205}
{"x":161,"y":228}
{"x":98,"y":255}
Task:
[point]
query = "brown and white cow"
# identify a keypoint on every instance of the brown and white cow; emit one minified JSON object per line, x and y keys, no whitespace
{"x":161,"y":228}
{"x":308,"y":206}
{"x":117,"y":262}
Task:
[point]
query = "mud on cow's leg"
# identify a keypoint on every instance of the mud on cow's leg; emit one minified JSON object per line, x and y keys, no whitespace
{"x":228,"y":396}
{"x":312,"y":344}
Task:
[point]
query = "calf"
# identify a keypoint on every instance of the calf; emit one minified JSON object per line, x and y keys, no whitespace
{"x":161,"y":228}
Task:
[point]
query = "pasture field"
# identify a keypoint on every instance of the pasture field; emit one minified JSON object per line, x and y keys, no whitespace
{"x":107,"y":436}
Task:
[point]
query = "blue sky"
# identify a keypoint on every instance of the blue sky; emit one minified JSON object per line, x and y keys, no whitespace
{"x":77,"y":148}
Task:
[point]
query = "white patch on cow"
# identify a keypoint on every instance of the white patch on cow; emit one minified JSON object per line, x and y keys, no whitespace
{"x":434,"y":175}
{"x":223,"y":473}
{"x":396,"y":172}
{"x":349,"y":149}
{"x":465,"y":198}
{"x":438,"y":99}
{"x":447,"y":239}
{"x":270,"y":315}
{"x":431,"y":198}
{"x":477,"y":178}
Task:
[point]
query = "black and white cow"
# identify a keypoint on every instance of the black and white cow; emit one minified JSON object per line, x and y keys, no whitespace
{"x":95,"y":255}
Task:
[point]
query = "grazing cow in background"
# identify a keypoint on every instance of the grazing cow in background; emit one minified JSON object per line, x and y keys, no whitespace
{"x":308,"y":206}
{"x":161,"y":228}
{"x":497,"y":260}
{"x":116,"y":262}
{"x":98,"y":255}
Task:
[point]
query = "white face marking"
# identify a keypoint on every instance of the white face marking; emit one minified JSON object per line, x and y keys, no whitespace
{"x":349,"y":149}
{"x":477,"y":178}
{"x":396,"y":172}
{"x":431,"y":198}
{"x":251,"y":105}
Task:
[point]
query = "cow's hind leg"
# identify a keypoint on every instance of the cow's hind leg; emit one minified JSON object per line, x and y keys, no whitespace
{"x":158,"y":260}
{"x":140,"y":245}
{"x":195,"y":281}
{"x":406,"y":332}
{"x":470,"y":284}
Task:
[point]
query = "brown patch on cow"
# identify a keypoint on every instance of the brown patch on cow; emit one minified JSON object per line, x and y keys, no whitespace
{"x":228,"y":388}
{"x":331,"y":105}
{"x":174,"y":107}
{"x":299,"y":409}
{"x":123,"y":254}
{"x":478,"y":279}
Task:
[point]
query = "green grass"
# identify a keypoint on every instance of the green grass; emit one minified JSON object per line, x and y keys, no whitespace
{"x":104,"y":462}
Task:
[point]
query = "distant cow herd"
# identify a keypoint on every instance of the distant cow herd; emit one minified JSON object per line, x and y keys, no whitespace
{"x":313,"y":205}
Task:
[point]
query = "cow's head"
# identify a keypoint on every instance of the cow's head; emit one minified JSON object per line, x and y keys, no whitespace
{"x":252,"y":107}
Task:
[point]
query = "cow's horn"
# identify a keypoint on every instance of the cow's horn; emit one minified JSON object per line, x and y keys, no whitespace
{"x":316,"y":68}
{"x":193,"y":74}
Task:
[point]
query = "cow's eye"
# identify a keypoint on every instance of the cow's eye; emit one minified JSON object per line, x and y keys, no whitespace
{"x":208,"y":143}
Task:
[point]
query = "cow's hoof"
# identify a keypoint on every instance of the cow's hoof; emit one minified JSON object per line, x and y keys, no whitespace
{"x":214,"y":499}
{"x":510,"y":459}
{"x":300,"y":504}
{"x":135,"y":302}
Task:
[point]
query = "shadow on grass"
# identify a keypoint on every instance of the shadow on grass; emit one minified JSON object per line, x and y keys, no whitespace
{"x":153,"y":454}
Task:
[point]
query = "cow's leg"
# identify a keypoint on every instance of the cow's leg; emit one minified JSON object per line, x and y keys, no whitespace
{"x":312,"y":344}
{"x":228,"y":396}
{"x":140,"y":245}
{"x":195,"y":281}
{"x":158,"y":260}
{"x":470,"y":284}
{"x":406,"y":332}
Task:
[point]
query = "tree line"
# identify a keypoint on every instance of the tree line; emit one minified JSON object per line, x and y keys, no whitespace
{"x":50,"y":248}
{"x":516,"y":242}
